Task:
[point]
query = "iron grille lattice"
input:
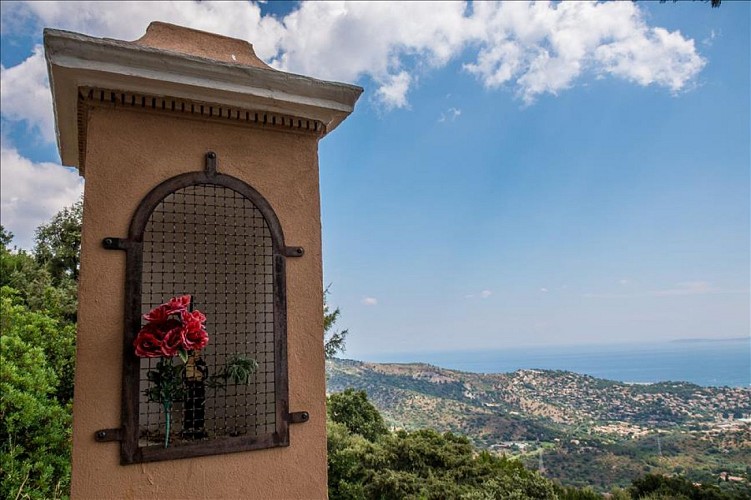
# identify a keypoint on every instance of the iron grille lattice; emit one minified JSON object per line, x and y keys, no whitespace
{"x":213,"y":237}
{"x":214,"y":244}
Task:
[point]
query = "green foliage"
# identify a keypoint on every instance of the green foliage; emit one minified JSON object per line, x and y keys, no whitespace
{"x":34,"y":283}
{"x":37,"y":321}
{"x":577,"y":452}
{"x":237,"y":370}
{"x":240,"y":368}
{"x":425,"y":464}
{"x":36,"y":368}
{"x":333,"y":341}
{"x":5,"y":237}
{"x":345,"y":461}
{"x":166,"y":384}
{"x":571,"y":493}
{"x":619,"y":494}
{"x":166,"y":388}
{"x":353,"y":410}
{"x":422,"y":464}
{"x":658,"y":487}
{"x":58,"y":243}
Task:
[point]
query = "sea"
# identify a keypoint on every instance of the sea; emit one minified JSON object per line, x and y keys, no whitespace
{"x":709,"y":363}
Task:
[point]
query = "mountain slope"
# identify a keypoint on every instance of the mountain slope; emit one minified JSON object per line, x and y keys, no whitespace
{"x":589,"y":431}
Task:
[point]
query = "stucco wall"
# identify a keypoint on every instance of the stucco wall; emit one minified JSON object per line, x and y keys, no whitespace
{"x":128,"y":152}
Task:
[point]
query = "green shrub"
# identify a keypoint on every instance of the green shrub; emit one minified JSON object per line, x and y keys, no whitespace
{"x":367,"y":461}
{"x":352,"y":409}
{"x":36,"y":368}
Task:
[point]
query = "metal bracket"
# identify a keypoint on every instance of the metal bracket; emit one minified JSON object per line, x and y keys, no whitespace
{"x":299,"y":417}
{"x":115,"y":243}
{"x":106,"y":435}
{"x":293,"y":251}
{"x":211,"y":163}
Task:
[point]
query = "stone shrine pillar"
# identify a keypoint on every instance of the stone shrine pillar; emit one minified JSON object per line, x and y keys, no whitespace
{"x":201,"y":167}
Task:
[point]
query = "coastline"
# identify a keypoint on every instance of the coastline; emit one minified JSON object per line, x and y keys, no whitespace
{"x":725,"y":363}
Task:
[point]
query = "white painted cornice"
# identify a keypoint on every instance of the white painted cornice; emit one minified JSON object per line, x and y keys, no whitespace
{"x":75,"y":61}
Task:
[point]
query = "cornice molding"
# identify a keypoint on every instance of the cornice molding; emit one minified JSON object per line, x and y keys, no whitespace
{"x":78,"y":61}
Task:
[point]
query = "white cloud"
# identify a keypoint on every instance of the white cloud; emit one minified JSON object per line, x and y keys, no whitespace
{"x":393,"y":94}
{"x":709,"y":40}
{"x":451,"y":114}
{"x":106,"y":19}
{"x":544,"y":290}
{"x":654,"y":56}
{"x":486,"y":293}
{"x":32,"y":193}
{"x":370,"y":301}
{"x":544,"y":48}
{"x":25,"y":94}
{"x":534,"y":48}
{"x":25,"y":88}
{"x":347,"y":40}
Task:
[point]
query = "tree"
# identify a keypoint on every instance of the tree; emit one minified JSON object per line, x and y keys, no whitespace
{"x":36,"y":370}
{"x":352,"y":409}
{"x":37,"y":354}
{"x":33,"y":281}
{"x":659,"y":486}
{"x":333,"y":341}
{"x":346,"y":471}
{"x":58,"y":243}
{"x":367,"y":461}
{"x":5,"y":237}
{"x":427,"y":465}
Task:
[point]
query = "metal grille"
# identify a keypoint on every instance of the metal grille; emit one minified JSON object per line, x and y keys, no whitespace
{"x":213,"y":243}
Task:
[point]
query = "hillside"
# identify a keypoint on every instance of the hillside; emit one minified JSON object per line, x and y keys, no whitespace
{"x":587,"y":430}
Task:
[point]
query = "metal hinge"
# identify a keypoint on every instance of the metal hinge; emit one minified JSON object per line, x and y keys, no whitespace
{"x":299,"y":417}
{"x":210,"y":167}
{"x":293,"y":251}
{"x":106,"y":435}
{"x":110,"y":243}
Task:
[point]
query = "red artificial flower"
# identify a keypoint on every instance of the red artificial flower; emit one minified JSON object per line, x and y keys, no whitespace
{"x":178,"y":304}
{"x":170,"y":329}
{"x":148,"y":342}
{"x":194,"y":333}
{"x":157,"y":315}
{"x":175,"y":305}
{"x":194,"y":319}
{"x":173,"y":338}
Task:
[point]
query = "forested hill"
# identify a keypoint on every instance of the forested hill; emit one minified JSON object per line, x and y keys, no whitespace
{"x":623,"y":429}
{"x":410,"y":394}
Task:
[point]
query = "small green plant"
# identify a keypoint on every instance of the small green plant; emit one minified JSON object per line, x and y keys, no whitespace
{"x":237,"y":371}
{"x":240,"y":368}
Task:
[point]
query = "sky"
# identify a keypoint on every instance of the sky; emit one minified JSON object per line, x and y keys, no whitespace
{"x":514,"y":174}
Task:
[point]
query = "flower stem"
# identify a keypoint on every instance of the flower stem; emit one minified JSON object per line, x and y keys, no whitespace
{"x":168,"y":415}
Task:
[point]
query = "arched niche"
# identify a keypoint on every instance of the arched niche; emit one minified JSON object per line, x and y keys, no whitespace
{"x":217,"y":239}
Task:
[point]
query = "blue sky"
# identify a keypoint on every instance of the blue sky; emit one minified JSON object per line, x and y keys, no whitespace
{"x":512,"y":175}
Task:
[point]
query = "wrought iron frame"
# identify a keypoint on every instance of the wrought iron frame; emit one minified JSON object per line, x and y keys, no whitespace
{"x":130,"y":452}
